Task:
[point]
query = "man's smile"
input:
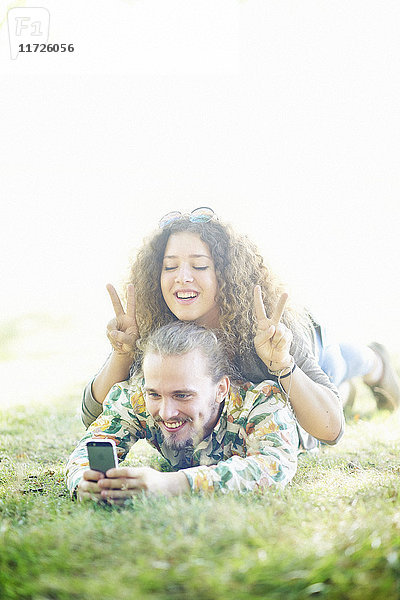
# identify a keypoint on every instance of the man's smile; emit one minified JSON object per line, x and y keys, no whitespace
{"x":173,"y":425}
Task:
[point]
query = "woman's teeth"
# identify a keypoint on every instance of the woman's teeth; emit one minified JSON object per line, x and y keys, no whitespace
{"x":186,"y":295}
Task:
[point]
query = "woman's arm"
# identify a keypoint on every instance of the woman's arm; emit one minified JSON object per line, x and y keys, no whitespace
{"x":116,"y":369}
{"x":122,"y":332}
{"x":317,"y":408}
{"x":97,"y":389}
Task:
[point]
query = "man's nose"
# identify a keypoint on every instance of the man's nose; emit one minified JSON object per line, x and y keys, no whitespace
{"x":168,"y":410}
{"x":184,"y":274}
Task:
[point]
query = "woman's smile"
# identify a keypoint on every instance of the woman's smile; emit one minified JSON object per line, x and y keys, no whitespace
{"x":186,"y":296}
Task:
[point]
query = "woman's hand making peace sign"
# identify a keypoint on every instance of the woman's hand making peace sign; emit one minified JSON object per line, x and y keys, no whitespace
{"x":273,"y":339}
{"x":122,"y":331}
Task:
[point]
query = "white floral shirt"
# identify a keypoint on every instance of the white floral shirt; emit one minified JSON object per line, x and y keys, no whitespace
{"x":253,"y":445}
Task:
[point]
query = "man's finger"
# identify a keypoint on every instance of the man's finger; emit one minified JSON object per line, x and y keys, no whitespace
{"x":121,"y":472}
{"x":90,"y":487}
{"x":116,"y":302}
{"x":279,"y":308}
{"x":91,"y":475}
{"x":259,"y":307}
{"x":117,"y":496}
{"x":130,"y":301}
{"x":85,"y":496}
{"x":114,"y":483}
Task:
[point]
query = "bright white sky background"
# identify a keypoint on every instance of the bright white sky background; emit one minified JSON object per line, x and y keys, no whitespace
{"x":282,"y":116}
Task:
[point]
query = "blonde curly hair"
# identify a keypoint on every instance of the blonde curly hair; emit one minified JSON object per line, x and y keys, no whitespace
{"x":238,"y":266}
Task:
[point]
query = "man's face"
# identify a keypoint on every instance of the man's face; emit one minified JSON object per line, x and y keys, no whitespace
{"x":181,"y":396}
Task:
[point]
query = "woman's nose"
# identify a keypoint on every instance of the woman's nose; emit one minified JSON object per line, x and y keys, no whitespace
{"x":184,"y":274}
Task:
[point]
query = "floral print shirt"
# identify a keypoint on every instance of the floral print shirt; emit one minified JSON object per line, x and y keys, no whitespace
{"x":253,"y":445}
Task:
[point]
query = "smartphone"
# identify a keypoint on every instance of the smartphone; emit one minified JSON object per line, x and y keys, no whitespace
{"x":102,"y":454}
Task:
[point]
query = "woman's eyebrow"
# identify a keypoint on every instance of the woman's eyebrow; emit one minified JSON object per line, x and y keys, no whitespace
{"x":190,"y":256}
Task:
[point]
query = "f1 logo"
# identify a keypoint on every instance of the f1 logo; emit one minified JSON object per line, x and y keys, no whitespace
{"x":27,"y":24}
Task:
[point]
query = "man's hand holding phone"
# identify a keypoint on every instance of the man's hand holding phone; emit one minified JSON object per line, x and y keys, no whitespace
{"x":102,"y":457}
{"x":108,"y":482}
{"x":88,"y":488}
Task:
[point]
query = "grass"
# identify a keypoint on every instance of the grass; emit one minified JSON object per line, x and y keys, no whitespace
{"x":333,"y":533}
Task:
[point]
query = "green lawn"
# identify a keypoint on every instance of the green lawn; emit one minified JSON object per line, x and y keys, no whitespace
{"x":334,"y":533}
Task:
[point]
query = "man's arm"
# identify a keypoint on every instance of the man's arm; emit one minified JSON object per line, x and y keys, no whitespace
{"x":124,"y":482}
{"x":118,"y":421}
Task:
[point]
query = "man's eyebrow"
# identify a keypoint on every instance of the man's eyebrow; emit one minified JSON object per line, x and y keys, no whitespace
{"x":190,"y":256}
{"x":184,"y":391}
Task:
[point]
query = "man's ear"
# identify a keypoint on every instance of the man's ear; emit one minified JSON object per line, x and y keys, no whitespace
{"x":222,"y":389}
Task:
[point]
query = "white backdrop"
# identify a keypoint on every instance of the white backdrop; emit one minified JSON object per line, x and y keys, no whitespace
{"x":282,"y":116}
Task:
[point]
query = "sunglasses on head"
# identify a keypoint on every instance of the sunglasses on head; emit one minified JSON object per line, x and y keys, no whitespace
{"x":203,"y":214}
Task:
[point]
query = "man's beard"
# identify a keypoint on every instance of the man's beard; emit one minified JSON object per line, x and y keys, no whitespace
{"x":173,"y":442}
{"x":184,"y":448}
{"x":185,"y":455}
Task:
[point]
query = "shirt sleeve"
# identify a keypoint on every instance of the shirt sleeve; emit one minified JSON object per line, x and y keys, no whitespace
{"x":271,"y":444}
{"x":304,"y":356}
{"x":91,"y":409}
{"x":118,"y":422}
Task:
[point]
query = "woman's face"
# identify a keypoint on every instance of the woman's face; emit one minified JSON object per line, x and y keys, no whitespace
{"x":188,"y":280}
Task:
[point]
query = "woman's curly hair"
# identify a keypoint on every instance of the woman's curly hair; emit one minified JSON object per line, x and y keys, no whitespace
{"x":238,"y":267}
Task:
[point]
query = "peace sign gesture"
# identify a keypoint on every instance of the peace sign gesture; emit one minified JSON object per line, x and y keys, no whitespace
{"x":273,"y":339}
{"x":122,"y":331}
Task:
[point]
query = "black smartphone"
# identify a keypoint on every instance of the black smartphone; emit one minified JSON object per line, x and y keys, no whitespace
{"x":102,"y":454}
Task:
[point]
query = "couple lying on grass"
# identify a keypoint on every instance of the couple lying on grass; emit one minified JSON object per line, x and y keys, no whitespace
{"x":175,"y":393}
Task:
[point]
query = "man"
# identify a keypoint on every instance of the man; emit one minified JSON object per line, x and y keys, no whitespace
{"x":214,"y":435}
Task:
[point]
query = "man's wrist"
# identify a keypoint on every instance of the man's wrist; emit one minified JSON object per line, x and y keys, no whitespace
{"x":178,"y":483}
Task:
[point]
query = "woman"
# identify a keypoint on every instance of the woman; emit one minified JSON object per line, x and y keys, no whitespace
{"x":195,"y":268}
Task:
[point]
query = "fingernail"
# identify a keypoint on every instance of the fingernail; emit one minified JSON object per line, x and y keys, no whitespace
{"x":114,"y":334}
